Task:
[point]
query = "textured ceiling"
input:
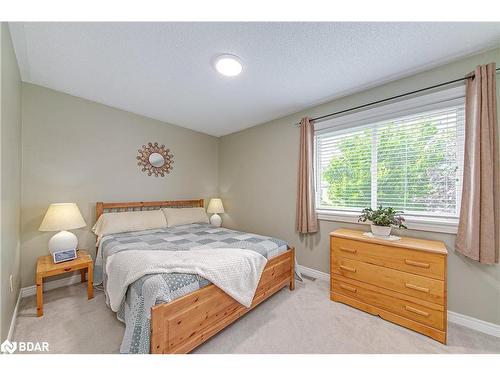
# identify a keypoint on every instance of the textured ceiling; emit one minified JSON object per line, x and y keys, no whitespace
{"x":164,"y":71}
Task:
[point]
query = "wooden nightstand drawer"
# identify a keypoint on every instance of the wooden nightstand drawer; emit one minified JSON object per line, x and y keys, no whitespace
{"x":412,"y":261}
{"x":425,"y":288}
{"x":419,"y":313}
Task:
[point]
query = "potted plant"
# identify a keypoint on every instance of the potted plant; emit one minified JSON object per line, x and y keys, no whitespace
{"x":382,"y":220}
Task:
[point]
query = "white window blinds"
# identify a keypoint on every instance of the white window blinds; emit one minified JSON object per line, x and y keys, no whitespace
{"x":412,"y":163}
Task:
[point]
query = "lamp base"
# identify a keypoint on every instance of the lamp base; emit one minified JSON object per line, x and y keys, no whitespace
{"x":63,"y":246}
{"x":216,"y":220}
{"x":63,"y":240}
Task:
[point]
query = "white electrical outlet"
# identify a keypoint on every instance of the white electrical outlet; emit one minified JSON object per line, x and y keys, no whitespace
{"x":11,"y":284}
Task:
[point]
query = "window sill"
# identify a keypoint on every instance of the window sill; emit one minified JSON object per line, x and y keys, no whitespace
{"x":428,"y":224}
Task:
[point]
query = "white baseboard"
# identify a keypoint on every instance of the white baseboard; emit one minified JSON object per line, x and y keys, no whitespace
{"x":313,"y":273}
{"x":473,"y":323}
{"x":31,"y":290}
{"x":453,"y":317}
{"x":14,"y":318}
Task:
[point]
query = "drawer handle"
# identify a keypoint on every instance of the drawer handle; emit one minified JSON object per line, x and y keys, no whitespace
{"x":416,"y":311}
{"x":67,"y":269}
{"x":417,"y":264}
{"x":350,"y":269}
{"x":416,"y":287}
{"x":347,"y":250}
{"x":349,"y":288}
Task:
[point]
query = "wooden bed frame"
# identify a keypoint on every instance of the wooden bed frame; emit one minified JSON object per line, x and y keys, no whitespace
{"x":183,"y":324}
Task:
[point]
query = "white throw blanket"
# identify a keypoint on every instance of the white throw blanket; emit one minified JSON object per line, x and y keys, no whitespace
{"x":236,"y":271}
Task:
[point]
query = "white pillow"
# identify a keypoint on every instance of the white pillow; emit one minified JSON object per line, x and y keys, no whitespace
{"x":181,"y":216}
{"x":129,"y":221}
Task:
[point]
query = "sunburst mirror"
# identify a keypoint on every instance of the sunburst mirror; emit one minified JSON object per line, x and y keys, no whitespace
{"x":155,"y":159}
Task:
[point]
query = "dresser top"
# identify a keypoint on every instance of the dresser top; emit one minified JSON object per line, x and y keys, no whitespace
{"x":405,"y":242}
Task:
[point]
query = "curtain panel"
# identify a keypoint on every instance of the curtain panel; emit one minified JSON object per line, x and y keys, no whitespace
{"x":306,"y":217}
{"x":479,"y":224}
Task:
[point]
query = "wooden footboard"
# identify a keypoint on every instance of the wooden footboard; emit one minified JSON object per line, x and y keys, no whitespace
{"x":183,"y":324}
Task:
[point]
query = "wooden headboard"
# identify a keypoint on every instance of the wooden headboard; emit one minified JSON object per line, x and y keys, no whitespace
{"x":102,"y":207}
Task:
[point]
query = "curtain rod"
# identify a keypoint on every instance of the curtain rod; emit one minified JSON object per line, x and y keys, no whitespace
{"x":393,"y":97}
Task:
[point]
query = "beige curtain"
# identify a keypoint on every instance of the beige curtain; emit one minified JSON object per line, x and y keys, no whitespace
{"x":479,"y":226}
{"x":306,"y":218}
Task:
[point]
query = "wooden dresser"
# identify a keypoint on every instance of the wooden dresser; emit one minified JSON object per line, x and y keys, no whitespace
{"x":401,"y":281}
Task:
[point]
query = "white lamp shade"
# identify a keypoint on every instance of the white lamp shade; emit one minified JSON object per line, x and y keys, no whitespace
{"x":62,"y":216}
{"x":215,"y":206}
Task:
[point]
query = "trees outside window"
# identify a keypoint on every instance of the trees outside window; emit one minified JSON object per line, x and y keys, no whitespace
{"x":411,"y":164}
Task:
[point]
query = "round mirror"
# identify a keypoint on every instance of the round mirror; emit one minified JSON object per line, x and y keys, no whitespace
{"x":156,"y":160}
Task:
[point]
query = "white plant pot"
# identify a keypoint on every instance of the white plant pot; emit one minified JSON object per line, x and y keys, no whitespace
{"x":381,"y":231}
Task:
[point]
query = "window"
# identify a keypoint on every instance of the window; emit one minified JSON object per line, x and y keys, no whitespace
{"x":410,"y":160}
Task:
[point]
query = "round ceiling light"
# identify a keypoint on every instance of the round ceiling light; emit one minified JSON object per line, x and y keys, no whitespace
{"x":228,"y":65}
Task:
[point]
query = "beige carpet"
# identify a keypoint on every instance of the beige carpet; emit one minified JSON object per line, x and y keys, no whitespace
{"x":303,"y":321}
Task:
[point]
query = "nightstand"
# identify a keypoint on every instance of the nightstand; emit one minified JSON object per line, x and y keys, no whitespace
{"x":45,"y":267}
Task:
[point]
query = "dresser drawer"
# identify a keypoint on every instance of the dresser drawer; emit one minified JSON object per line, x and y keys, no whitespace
{"x":412,"y":261}
{"x":410,"y":310}
{"x":425,"y":288}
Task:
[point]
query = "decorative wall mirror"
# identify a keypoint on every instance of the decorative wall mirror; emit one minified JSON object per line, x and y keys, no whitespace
{"x":155,"y":159}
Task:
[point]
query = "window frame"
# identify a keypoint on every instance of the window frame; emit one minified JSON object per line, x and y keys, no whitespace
{"x":358,"y":120}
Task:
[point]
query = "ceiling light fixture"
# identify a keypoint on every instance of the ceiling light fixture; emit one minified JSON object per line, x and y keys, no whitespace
{"x":228,"y":65}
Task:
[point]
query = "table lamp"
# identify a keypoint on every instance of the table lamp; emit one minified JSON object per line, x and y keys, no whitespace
{"x":62,"y":217}
{"x":215,"y":207}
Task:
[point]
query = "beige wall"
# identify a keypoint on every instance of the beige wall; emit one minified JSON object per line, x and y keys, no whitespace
{"x":257,"y":181}
{"x":10,"y":186}
{"x":79,"y":151}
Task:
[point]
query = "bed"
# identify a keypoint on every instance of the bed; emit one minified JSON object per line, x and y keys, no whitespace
{"x":189,"y":319}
